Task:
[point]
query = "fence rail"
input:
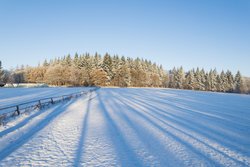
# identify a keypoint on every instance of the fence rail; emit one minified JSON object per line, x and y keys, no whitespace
{"x":16,"y":110}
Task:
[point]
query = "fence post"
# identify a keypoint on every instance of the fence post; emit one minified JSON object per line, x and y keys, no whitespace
{"x":17,"y":110}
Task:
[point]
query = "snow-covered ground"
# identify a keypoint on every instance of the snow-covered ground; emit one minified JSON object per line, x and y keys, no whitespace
{"x":133,"y":127}
{"x":13,"y":96}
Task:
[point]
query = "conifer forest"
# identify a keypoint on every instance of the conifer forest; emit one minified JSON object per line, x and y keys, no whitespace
{"x":120,"y":71}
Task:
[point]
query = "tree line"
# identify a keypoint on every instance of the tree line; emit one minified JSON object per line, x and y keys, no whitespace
{"x":89,"y":70}
{"x":107,"y":70}
{"x":208,"y":81}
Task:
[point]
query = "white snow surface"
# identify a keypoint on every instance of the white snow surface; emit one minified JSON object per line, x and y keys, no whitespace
{"x":14,"y":96}
{"x":133,"y":127}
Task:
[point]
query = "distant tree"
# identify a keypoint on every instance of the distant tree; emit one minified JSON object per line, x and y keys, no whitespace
{"x":1,"y":68}
{"x":107,"y":70}
{"x":138,"y":75}
{"x":99,"y":77}
{"x":76,"y":76}
{"x":230,"y":81}
{"x":165,"y":80}
{"x":97,"y":61}
{"x":107,"y":67}
{"x":219,"y":84}
{"x":223,"y":82}
{"x":172,"y":78}
{"x":45,"y":63}
{"x":76,"y":61}
{"x":18,"y":77}
{"x":246,"y":81}
{"x":1,"y":74}
{"x":200,"y":79}
{"x":35,"y":75}
{"x":179,"y":78}
{"x":238,"y":83}
{"x":211,"y":80}
{"x":203,"y":79}
{"x":190,"y":80}
{"x":121,"y":73}
{"x":54,"y":75}
{"x":7,"y":78}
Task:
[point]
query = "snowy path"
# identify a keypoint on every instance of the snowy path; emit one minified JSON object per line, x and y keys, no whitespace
{"x":135,"y":127}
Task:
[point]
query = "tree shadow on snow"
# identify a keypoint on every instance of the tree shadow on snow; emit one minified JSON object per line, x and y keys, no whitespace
{"x":125,"y":153}
{"x":160,"y":116}
{"x":84,"y":130}
{"x":27,"y":136}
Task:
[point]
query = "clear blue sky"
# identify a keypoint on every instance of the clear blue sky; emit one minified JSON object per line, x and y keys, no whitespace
{"x":191,"y":33}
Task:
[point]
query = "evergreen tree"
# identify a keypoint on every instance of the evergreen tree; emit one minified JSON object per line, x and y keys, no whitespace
{"x":223,"y":81}
{"x":94,"y":69}
{"x":238,"y":82}
{"x":76,"y":63}
{"x":172,"y":78}
{"x":219,"y":85}
{"x":107,"y":67}
{"x":203,"y":80}
{"x":230,"y":81}
{"x":138,"y":75}
{"x":179,"y":78}
{"x":97,"y":61}
{"x":190,"y":80}
{"x":45,"y":63}
{"x":123,"y":73}
{"x":68,"y":60}
{"x":212,"y":80}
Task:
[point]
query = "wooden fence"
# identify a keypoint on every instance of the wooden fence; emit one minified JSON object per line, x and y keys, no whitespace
{"x":16,"y":110}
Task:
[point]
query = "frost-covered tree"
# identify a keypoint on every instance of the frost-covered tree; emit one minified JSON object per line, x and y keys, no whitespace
{"x":238,"y":82}
{"x":230,"y":81}
{"x":86,"y":69}
{"x":97,"y":61}
{"x":76,"y":62}
{"x":190,"y":80}
{"x":125,"y":72}
{"x":172,"y":79}
{"x":45,"y":63}
{"x":138,"y":75}
{"x":203,"y":80}
{"x":211,"y":80}
{"x":219,"y":85}
{"x":99,"y":77}
{"x":223,"y":82}
{"x":179,"y":78}
{"x":55,"y":75}
{"x":107,"y":67}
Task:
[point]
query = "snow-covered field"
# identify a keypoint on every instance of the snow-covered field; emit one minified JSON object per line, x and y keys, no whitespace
{"x":13,"y":96}
{"x":132,"y":127}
